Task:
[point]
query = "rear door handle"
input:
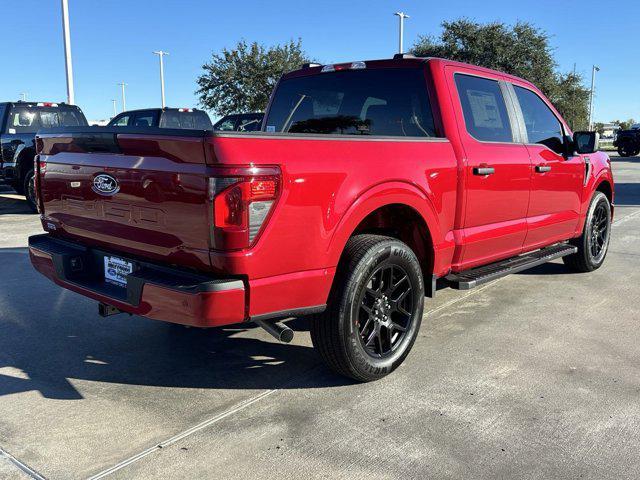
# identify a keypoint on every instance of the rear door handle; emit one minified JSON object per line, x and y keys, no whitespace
{"x":483,"y":170}
{"x":543,"y":168}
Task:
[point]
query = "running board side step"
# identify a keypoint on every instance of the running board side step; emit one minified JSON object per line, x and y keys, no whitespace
{"x":473,"y":277}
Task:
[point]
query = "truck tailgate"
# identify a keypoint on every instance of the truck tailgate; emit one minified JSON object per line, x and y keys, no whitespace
{"x":140,"y":193}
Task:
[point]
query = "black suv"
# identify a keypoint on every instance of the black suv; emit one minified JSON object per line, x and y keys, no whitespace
{"x":19,"y":122}
{"x":240,"y":122}
{"x":189,"y":118}
{"x":628,"y":141}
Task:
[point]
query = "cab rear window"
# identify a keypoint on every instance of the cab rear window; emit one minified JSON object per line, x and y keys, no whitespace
{"x":23,"y":120}
{"x":31,"y":119}
{"x":387,"y":102}
{"x":50,"y":118}
{"x":197,"y":120}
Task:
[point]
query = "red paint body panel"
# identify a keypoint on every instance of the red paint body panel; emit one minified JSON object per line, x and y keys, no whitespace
{"x":328,"y":185}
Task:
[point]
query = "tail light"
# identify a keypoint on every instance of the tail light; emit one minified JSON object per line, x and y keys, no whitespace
{"x":242,"y":200}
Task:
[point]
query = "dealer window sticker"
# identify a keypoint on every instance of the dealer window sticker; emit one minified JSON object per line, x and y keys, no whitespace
{"x":484,"y":108}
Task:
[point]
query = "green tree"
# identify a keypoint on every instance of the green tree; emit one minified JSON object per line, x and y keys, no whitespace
{"x":241,"y":79}
{"x":522,"y":50}
{"x":571,"y":99}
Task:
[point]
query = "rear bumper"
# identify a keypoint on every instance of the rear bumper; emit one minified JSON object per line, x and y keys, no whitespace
{"x":153,"y":291}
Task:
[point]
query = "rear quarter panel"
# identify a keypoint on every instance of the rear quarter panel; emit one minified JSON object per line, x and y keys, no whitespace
{"x":329,"y":186}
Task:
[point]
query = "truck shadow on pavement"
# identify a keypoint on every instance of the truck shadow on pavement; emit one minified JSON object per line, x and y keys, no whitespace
{"x":50,"y":337}
{"x":627,"y":194}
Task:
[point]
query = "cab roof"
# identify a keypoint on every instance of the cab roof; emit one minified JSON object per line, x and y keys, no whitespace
{"x":400,"y":60}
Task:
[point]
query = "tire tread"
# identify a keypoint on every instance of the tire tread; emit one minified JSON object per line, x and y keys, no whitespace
{"x":326,"y":333}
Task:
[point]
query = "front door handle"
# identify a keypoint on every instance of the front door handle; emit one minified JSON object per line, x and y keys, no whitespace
{"x":543,"y":168}
{"x":483,"y":170}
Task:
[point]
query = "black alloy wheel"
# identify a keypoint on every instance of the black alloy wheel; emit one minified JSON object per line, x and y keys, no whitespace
{"x":593,"y":244}
{"x":386,"y":310}
{"x":30,"y":190}
{"x":374,"y":311}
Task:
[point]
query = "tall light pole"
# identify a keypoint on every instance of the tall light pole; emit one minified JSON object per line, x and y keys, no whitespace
{"x":124,"y":99}
{"x":24,"y":97}
{"x":593,"y":86}
{"x":401,"y":17}
{"x":115,"y":112}
{"x":67,"y":51}
{"x":161,"y":54}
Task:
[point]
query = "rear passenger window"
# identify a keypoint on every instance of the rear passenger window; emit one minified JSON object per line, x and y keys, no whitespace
{"x":542,"y":125}
{"x":484,"y":108}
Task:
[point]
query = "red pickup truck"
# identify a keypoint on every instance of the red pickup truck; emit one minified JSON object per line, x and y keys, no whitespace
{"x":370,"y":184}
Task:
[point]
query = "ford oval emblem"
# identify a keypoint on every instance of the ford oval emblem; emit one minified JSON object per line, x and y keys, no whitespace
{"x":105,"y":184}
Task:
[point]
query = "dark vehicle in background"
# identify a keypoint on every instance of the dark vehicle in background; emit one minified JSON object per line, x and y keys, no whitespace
{"x":180,"y":118}
{"x":240,"y":122}
{"x":628,"y":141}
{"x":19,"y":122}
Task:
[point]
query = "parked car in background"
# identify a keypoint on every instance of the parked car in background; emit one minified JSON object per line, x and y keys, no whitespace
{"x":628,"y":141}
{"x":370,"y":182}
{"x":180,"y":118}
{"x":19,"y":122}
{"x":240,"y":122}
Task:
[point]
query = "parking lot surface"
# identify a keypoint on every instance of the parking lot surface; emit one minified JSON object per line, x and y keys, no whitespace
{"x":535,"y":375}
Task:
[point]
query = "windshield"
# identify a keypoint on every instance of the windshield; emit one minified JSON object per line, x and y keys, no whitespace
{"x":391,"y":102}
{"x":197,"y":120}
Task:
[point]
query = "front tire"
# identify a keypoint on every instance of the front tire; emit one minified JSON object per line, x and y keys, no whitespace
{"x":374,"y":311}
{"x":593,"y":244}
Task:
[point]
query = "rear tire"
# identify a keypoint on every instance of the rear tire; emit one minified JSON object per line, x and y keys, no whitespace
{"x":374,"y":311}
{"x":29,"y":190}
{"x":627,"y":151}
{"x":593,"y":244}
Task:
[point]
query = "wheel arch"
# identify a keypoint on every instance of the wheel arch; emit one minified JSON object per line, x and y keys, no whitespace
{"x":397,"y":210}
{"x":605,"y":187}
{"x":24,"y":156}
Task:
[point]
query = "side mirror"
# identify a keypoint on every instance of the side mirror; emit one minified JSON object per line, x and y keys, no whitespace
{"x":586,"y":142}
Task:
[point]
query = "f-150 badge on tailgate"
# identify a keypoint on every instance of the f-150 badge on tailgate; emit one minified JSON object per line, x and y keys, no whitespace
{"x":105,"y":184}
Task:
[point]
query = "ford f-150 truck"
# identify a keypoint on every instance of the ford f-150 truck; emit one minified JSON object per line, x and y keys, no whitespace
{"x":371,"y":185}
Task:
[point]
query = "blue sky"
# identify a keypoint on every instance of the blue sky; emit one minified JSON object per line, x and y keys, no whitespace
{"x":112,"y":41}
